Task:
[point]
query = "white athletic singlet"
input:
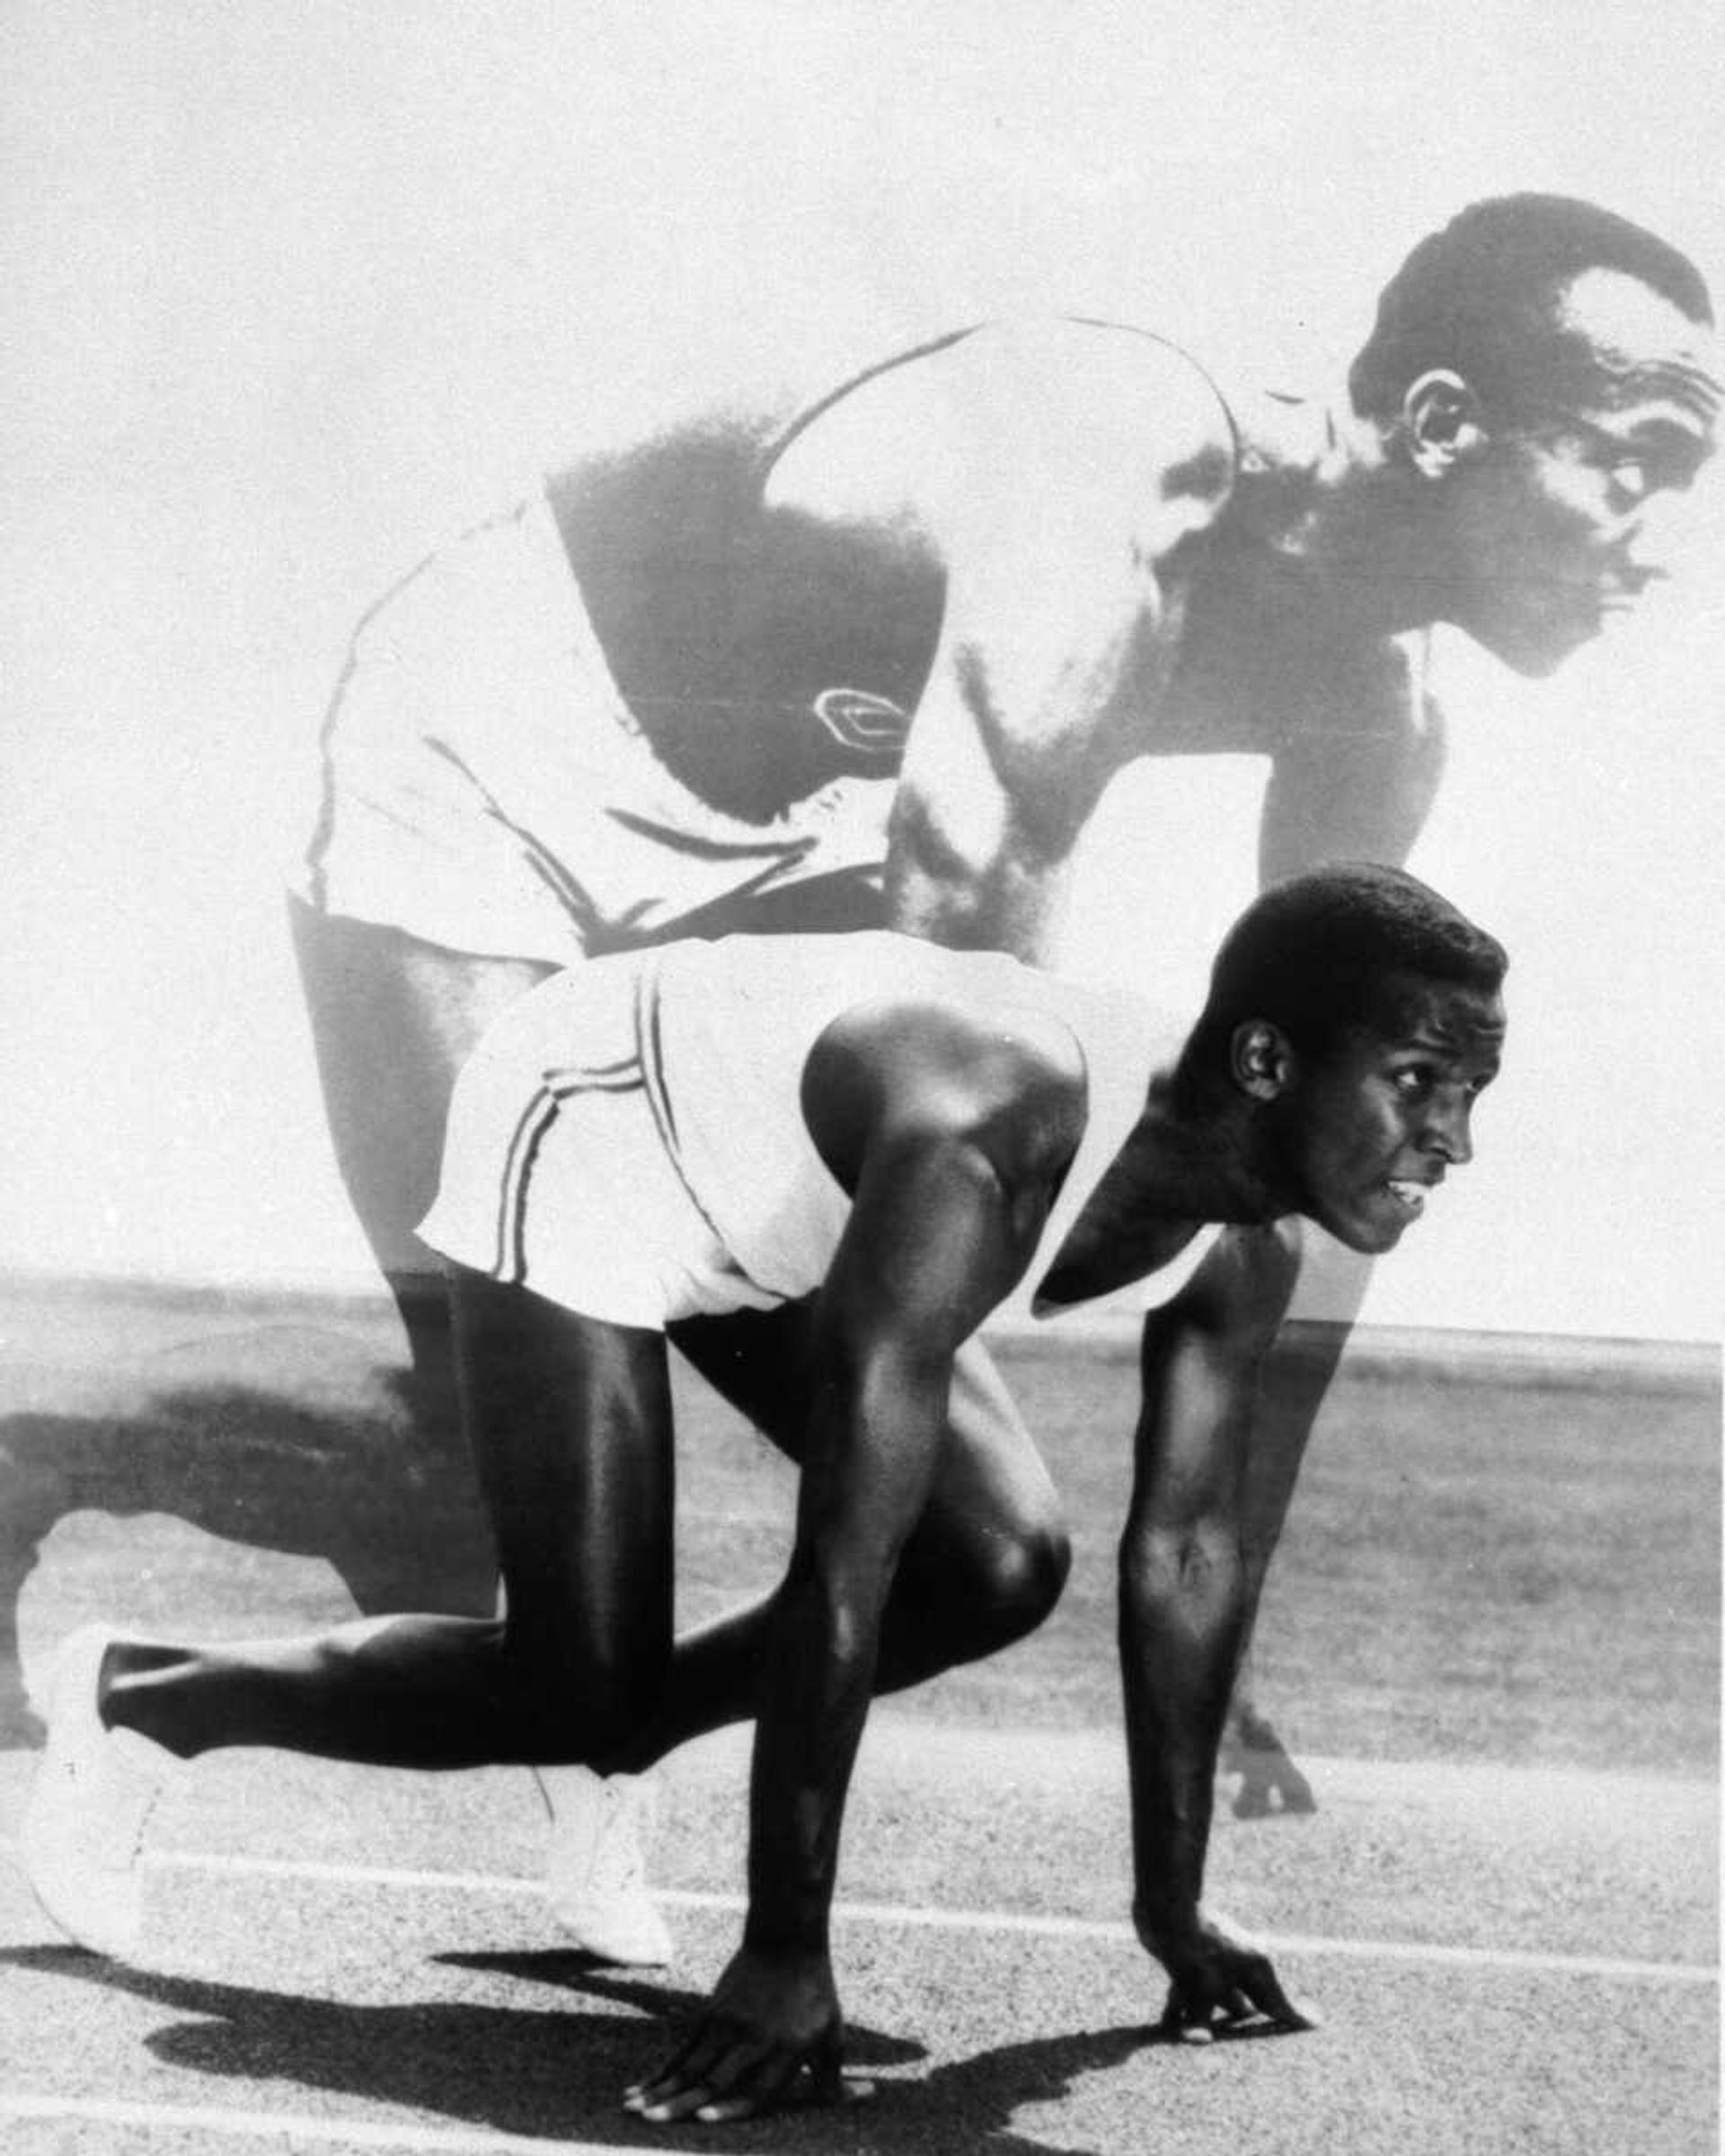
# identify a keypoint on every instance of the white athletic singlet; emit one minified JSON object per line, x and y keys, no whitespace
{"x":486,"y":788}
{"x":628,"y":1138}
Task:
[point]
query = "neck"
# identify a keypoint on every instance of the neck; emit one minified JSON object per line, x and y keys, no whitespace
{"x":1197,"y":1151}
{"x":1368,"y":544}
{"x":1178,"y":1169}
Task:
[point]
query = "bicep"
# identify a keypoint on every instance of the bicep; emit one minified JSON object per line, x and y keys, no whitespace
{"x":949,"y":1126}
{"x":950,"y":1129}
{"x":1063,"y":612}
{"x":951,"y":820}
{"x":1028,"y":715}
{"x":935,"y":1239}
{"x":927,"y":1252}
{"x":1048,"y":648}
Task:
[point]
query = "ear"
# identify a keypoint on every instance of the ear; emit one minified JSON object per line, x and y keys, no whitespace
{"x":1261,"y":1059}
{"x":1441,"y":422}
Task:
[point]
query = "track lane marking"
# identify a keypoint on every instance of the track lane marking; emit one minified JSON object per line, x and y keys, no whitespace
{"x":919,"y":1917}
{"x":301,"y":2127}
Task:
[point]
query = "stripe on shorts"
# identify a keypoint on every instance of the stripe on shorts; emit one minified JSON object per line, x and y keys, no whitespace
{"x":558,"y":1086}
{"x":659,"y":1094}
{"x":652,"y":1059}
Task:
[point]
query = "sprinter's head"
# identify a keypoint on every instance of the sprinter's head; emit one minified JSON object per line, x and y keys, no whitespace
{"x":1544,"y":376}
{"x":1353,"y":1019}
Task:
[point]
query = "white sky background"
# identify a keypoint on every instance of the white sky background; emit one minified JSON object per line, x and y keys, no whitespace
{"x":295,"y":290}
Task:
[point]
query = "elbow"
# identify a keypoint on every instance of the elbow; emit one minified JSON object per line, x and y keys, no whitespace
{"x":940,"y":874}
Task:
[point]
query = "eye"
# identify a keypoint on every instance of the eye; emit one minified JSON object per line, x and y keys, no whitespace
{"x":1630,"y":475}
{"x":1413,"y":1083}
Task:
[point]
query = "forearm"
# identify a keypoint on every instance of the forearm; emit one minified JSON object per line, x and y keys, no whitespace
{"x":1185,"y":1588}
{"x":1181,"y":1610}
{"x":813,"y":1707}
{"x":938,"y":1233}
{"x":980,"y":890}
{"x":871,"y":1454}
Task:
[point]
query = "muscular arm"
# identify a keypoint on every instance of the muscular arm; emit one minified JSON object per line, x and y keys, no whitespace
{"x":929,"y":1254}
{"x":999,"y":780}
{"x":952,"y":1142}
{"x":1081,"y":475}
{"x":1182,"y":1605}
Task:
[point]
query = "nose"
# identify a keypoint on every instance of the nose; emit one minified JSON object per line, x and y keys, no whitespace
{"x":1657,"y":531}
{"x":1645,"y":553}
{"x":1449,"y":1130}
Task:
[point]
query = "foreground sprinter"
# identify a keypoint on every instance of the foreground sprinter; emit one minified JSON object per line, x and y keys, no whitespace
{"x":871,"y":656}
{"x":898,"y":1141}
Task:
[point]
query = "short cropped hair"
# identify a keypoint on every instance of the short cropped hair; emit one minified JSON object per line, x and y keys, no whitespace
{"x":1478,"y":298}
{"x":1315,"y":956}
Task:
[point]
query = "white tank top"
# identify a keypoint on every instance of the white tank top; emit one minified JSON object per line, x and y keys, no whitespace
{"x":725,"y":1030}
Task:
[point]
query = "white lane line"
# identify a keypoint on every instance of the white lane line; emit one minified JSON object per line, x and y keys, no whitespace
{"x":1614,"y":1967}
{"x":920,"y":1917}
{"x":295,"y":2127}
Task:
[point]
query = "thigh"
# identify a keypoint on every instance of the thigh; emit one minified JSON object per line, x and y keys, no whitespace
{"x":991,"y":1480}
{"x":393,"y":1020}
{"x":570,"y":1420}
{"x":990,"y":1464}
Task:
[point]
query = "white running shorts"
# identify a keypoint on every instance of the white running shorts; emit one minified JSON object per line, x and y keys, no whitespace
{"x":554,"y":1175}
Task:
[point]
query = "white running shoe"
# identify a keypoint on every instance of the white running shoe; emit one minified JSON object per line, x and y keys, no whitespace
{"x":91,"y":1799}
{"x":597,"y":1874}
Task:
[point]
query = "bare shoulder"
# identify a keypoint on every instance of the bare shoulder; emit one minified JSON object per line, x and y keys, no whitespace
{"x":1033,"y":413}
{"x":1106,"y":389}
{"x":1011,"y":1081}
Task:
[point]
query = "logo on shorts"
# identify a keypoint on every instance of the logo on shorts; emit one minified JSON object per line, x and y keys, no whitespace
{"x":873,"y":726}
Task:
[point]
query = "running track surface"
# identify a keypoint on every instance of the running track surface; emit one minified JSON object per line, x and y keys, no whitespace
{"x":1505,"y":1960}
{"x":342,"y":1959}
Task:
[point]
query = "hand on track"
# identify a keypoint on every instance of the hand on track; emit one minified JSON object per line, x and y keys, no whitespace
{"x":770,"y":2037}
{"x":1220,"y":1983}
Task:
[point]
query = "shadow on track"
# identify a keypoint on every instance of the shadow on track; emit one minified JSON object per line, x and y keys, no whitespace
{"x":253,"y":1466}
{"x":554,"y":2072}
{"x":561,"y":2071}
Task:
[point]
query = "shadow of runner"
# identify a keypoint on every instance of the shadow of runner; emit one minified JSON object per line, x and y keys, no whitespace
{"x":568,"y":1969}
{"x":561,"y":2071}
{"x":397,"y":1518}
{"x":558,"y":2071}
{"x":973,"y":2102}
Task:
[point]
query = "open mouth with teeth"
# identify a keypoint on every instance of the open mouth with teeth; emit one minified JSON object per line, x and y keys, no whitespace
{"x":1409,"y":1196}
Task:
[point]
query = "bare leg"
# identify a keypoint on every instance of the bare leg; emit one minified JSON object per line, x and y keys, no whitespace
{"x":983,"y":1567}
{"x":393,"y":1020}
{"x":579,"y":1482}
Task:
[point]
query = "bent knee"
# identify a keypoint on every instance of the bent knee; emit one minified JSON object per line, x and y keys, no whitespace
{"x":571,"y":1713}
{"x":1022,"y":1578}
